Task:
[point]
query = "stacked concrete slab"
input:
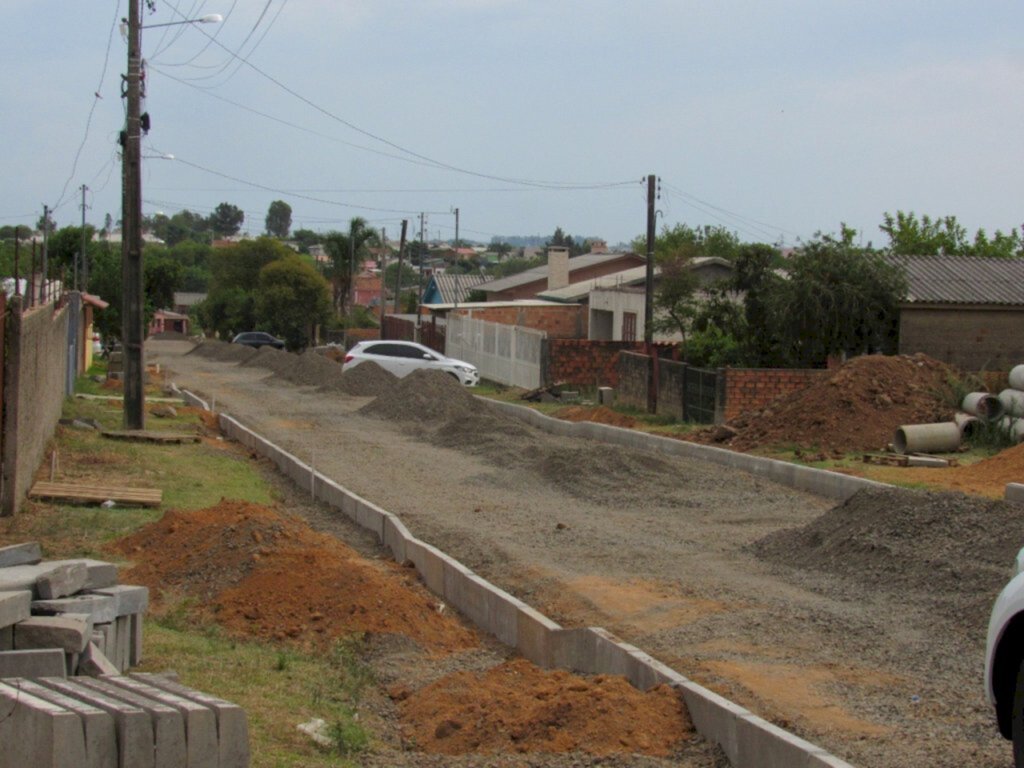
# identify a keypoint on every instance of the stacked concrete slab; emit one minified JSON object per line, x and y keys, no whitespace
{"x":68,"y":632}
{"x":748,"y":740}
{"x":75,"y":608}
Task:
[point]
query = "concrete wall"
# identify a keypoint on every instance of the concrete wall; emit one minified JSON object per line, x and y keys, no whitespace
{"x":971,"y":338}
{"x":34,"y":378}
{"x":634,"y":369}
{"x":747,"y":740}
{"x":618,"y":301}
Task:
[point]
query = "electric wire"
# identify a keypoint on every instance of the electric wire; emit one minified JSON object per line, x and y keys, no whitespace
{"x":92,"y":110}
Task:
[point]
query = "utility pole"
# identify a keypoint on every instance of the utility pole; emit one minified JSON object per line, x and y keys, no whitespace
{"x":398,"y":273}
{"x":652,"y":385}
{"x":419,"y":292}
{"x":45,"y":262}
{"x":456,"y":275}
{"x":132,"y":318}
{"x":82,"y":258}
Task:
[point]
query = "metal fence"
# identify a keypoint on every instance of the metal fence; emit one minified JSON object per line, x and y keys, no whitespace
{"x":507,"y":354}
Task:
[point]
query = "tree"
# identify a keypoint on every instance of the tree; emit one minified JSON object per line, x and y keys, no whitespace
{"x":46,"y":222}
{"x":838,"y":299}
{"x":230,"y":305}
{"x":755,"y":278}
{"x":305,"y":238}
{"x":279,"y":219}
{"x":226,"y":220}
{"x":345,"y":250}
{"x":560,"y":239}
{"x":910,"y":236}
{"x":409,"y":275}
{"x":291,"y":299}
{"x":184,"y":225}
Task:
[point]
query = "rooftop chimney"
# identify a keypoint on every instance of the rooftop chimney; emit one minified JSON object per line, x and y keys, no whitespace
{"x":558,"y":267}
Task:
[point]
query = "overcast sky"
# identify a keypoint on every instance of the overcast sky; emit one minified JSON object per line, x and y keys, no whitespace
{"x":774,"y":119}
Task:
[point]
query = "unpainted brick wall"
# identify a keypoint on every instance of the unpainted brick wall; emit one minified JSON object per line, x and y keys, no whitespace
{"x":568,"y":321}
{"x":586,"y":363}
{"x":748,"y":389}
{"x":34,"y":379}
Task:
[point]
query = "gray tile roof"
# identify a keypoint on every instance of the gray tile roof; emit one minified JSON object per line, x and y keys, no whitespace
{"x":963,"y":280}
{"x":446,"y":286}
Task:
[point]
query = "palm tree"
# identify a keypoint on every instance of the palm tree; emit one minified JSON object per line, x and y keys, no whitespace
{"x":346,"y":249}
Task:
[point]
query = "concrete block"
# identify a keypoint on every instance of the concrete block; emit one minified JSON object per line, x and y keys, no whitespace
{"x":100,"y":574}
{"x":132,"y":724}
{"x":534,"y":632}
{"x":429,"y":562}
{"x":129,"y":599}
{"x":102,"y":608}
{"x":20,"y":554}
{"x":70,"y":632}
{"x":232,"y":728}
{"x":395,"y":537}
{"x":124,"y":642}
{"x":41,"y":662}
{"x":370,"y":517}
{"x":71,"y":663}
{"x":7,"y":638}
{"x":61,"y":580}
{"x":21,"y":577}
{"x":15,"y":607}
{"x":1014,"y":492}
{"x":135,"y":648}
{"x":715,"y":717}
{"x":94,"y":663}
{"x":97,"y":726}
{"x":200,"y":720}
{"x":767,"y":746}
{"x":35,"y":732}
{"x":168,"y":724}
{"x":106,"y":642}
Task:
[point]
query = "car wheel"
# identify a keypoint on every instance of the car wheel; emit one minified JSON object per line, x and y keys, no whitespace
{"x":1018,"y":719}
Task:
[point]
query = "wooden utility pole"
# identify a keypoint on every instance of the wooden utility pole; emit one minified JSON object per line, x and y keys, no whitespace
{"x":132,"y":318}
{"x":398,"y":272}
{"x":83,"y":261}
{"x":652,"y":381}
{"x":45,"y":265}
{"x":456,"y":263}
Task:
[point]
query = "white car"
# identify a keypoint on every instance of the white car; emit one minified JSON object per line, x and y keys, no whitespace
{"x":403,"y":357}
{"x":1004,"y":660}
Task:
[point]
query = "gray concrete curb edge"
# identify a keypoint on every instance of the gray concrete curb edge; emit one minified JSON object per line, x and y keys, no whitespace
{"x":748,"y":741}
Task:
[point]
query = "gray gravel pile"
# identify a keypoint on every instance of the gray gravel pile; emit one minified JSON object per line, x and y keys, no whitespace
{"x":955,"y":548}
{"x":424,"y":397}
{"x":223,"y":351}
{"x":365,"y":380}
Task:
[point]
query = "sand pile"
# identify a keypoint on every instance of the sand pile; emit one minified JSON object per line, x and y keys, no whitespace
{"x":857,"y":408}
{"x":518,"y":708}
{"x":222,"y":351}
{"x":260,"y":574}
{"x":955,"y":548}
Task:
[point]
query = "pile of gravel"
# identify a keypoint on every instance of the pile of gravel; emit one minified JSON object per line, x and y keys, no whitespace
{"x":222,"y":351}
{"x":364,"y":380}
{"x":424,"y":397}
{"x":954,"y":548}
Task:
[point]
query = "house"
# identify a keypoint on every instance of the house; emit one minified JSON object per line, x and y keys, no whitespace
{"x":616,"y":302}
{"x":367,"y":289}
{"x":559,"y":272}
{"x":445,"y":288}
{"x":967,"y":311}
{"x":166,"y":321}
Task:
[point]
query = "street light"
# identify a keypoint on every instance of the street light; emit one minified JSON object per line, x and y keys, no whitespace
{"x":133,"y":330}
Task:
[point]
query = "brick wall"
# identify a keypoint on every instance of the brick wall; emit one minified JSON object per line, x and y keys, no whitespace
{"x":751,"y":388}
{"x":558,"y":321}
{"x":972,"y":339}
{"x":34,"y":379}
{"x":586,"y":363}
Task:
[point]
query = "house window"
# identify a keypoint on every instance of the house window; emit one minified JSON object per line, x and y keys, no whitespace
{"x":629,"y":326}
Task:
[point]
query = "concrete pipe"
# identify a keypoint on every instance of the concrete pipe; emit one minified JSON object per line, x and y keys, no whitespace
{"x":927,"y":438}
{"x":1017,"y":377}
{"x":969,"y":424}
{"x":1013,"y":401}
{"x":985,"y":406}
{"x":1014,"y":427}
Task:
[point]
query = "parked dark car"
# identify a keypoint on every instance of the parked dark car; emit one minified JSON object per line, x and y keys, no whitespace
{"x":258,"y":339}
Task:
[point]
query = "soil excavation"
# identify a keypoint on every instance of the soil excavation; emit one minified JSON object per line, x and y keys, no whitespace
{"x":858,"y":626}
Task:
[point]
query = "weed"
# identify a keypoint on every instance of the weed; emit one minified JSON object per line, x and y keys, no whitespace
{"x":175,"y":612}
{"x":347,"y":655}
{"x":348,"y":735}
{"x":282,"y":662}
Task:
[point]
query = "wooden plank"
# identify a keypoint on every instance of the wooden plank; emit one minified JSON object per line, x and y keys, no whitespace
{"x":146,"y":497}
{"x":148,"y":436}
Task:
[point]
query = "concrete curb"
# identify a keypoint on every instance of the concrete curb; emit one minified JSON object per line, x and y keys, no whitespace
{"x":820,"y":482}
{"x":747,"y":740}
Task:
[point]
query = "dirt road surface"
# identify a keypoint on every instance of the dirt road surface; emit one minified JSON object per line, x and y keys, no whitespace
{"x":669,"y":554}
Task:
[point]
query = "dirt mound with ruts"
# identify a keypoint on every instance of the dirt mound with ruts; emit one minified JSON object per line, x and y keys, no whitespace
{"x":259,"y":573}
{"x":938,"y":544}
{"x":488,"y":713}
{"x":856,"y":408}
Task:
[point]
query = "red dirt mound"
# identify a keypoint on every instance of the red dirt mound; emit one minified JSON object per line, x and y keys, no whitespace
{"x":261,"y":574}
{"x":857,"y":408}
{"x":518,"y":707}
{"x":600,"y":414}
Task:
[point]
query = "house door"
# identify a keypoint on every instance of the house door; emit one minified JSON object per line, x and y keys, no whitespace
{"x":629,"y":326}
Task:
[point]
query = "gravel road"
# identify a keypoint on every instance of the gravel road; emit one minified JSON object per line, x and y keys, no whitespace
{"x":665,"y":552}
